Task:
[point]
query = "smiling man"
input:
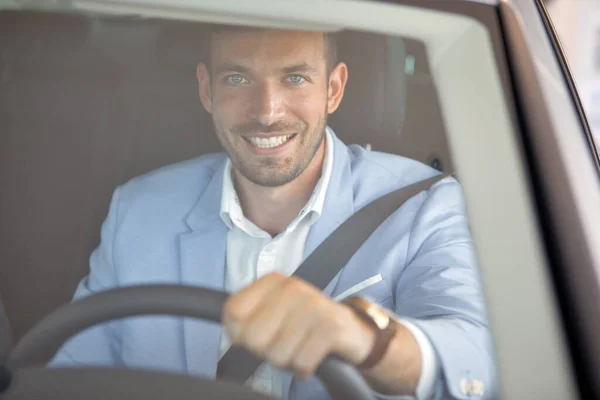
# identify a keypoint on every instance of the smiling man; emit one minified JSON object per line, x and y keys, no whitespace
{"x":244,"y":220}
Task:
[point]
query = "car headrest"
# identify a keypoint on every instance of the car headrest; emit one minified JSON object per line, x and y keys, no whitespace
{"x":371,"y":111}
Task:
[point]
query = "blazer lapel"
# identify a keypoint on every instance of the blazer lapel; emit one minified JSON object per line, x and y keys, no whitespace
{"x":338,"y":206}
{"x":203,"y":264}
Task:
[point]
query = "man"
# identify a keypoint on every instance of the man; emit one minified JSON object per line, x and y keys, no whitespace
{"x":243,"y":221}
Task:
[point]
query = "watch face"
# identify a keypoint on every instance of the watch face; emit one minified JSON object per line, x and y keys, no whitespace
{"x":377,"y":314}
{"x":380,"y":317}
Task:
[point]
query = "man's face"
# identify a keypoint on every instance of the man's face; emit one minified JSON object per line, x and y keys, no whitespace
{"x":269,"y":93}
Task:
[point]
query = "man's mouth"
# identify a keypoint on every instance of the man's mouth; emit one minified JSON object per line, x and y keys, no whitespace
{"x":267,"y":143}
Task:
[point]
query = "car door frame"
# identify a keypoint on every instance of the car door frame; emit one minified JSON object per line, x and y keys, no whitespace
{"x":565,"y":168}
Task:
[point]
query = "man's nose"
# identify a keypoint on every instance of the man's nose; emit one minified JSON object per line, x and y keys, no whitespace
{"x":268,"y":105}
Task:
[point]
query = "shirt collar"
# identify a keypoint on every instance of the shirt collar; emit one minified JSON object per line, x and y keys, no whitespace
{"x":231,"y":211}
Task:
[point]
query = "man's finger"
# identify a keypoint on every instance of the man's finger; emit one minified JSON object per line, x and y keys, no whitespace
{"x":266,"y":323}
{"x":294,"y":330}
{"x":311,"y":352}
{"x":241,"y":305}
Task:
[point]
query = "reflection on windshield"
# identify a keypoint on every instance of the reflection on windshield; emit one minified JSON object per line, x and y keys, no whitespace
{"x":232,"y":153}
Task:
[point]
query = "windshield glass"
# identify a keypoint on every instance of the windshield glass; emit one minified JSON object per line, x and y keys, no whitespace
{"x":159,"y":151}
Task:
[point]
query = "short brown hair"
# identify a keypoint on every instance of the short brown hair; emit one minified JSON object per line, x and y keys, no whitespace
{"x":331,"y":53}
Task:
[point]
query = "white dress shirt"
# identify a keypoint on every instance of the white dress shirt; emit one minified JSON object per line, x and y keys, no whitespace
{"x":253,"y":253}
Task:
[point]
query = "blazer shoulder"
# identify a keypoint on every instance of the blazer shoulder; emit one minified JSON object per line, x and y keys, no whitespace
{"x":375,"y":173}
{"x":183,"y":180}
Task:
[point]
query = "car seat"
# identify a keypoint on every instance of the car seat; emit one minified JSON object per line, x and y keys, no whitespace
{"x":5,"y":333}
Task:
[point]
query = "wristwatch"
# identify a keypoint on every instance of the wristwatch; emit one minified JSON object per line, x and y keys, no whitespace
{"x":382,"y":324}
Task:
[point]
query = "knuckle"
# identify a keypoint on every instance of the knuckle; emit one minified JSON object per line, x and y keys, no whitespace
{"x":278,"y":359}
{"x":233,"y":311}
{"x":257,"y":342}
{"x":290,"y":282}
{"x":274,"y":276}
{"x":304,"y":366}
{"x":258,"y":348}
{"x":293,"y":286}
{"x":300,"y":285}
{"x":317,"y":304}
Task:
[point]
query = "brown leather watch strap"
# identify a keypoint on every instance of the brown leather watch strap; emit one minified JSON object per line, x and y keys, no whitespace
{"x":383,"y":335}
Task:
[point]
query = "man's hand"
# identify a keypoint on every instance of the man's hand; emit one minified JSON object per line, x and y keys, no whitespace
{"x":292,"y":325}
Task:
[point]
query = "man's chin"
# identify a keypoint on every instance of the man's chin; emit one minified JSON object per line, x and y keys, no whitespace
{"x":273,"y":179}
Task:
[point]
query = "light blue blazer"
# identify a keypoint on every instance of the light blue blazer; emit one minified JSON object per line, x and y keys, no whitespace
{"x":164,"y":227}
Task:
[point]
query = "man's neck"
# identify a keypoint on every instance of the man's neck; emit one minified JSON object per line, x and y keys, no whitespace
{"x":273,"y":208}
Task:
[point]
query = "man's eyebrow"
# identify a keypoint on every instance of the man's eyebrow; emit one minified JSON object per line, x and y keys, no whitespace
{"x":230,"y":67}
{"x":303,"y":67}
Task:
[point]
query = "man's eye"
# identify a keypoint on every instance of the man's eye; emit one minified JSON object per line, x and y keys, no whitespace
{"x":236,"y":79}
{"x":296,"y":79}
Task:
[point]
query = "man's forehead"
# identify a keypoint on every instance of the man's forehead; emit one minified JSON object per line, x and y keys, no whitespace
{"x":267,"y":44}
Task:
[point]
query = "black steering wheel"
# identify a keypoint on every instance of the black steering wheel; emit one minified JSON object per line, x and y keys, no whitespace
{"x":19,"y":380}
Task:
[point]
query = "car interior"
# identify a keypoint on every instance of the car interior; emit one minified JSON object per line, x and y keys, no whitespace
{"x":96,"y":92}
{"x":90,"y":102}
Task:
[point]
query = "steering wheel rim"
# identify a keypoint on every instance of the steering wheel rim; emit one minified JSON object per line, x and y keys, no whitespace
{"x":97,"y":383}
{"x":40,"y":344}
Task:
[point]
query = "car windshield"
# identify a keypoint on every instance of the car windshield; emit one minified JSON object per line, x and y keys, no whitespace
{"x":144,"y":148}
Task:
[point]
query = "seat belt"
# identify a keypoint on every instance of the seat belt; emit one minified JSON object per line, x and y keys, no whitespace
{"x":323,"y":264}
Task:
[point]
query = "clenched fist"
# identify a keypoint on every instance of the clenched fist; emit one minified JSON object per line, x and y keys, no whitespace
{"x":292,"y":325}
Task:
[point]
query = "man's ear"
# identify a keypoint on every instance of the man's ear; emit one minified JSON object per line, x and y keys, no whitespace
{"x":204,"y":87}
{"x":337,"y":83}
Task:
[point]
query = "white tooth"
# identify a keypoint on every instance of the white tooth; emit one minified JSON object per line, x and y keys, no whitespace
{"x":269,"y":142}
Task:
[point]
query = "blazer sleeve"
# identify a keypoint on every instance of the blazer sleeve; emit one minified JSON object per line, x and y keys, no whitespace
{"x":99,"y":345}
{"x":440,"y":292}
